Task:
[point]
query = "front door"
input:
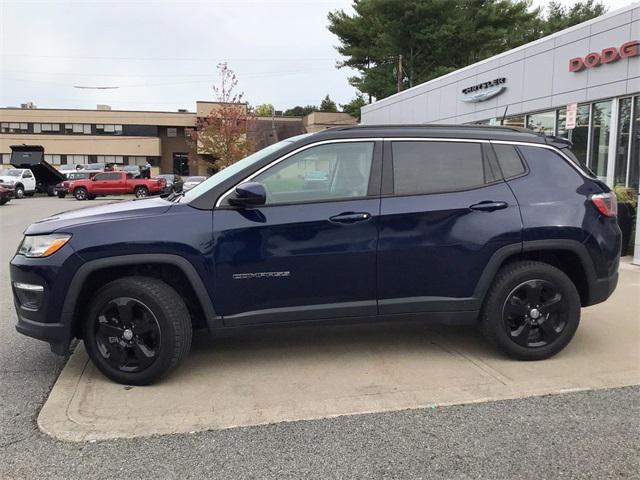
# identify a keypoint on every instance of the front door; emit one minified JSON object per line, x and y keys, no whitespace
{"x":181,"y":164}
{"x":445,"y":213}
{"x":310,"y":252}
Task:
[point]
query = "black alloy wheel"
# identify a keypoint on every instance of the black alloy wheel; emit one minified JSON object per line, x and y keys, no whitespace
{"x":127,"y":334}
{"x":531,"y":311}
{"x":535,"y":313}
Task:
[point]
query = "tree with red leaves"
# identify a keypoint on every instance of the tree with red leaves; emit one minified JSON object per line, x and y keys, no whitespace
{"x":221,"y":137}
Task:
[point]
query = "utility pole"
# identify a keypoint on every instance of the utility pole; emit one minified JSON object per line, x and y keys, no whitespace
{"x":399,"y":79}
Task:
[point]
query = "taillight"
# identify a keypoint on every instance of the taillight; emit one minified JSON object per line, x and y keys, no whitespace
{"x":606,"y":203}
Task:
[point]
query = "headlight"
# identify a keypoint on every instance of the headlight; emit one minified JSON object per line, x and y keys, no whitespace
{"x":42,"y":245}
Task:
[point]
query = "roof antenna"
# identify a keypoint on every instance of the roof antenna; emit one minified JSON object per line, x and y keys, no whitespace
{"x":504,"y":115}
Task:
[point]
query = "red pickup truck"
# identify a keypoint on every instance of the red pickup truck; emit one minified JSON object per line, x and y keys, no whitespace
{"x":114,"y":183}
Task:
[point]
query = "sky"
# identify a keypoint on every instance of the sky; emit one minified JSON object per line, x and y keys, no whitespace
{"x":163,"y":54}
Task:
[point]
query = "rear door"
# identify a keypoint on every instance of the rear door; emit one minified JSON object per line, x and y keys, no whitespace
{"x":310,"y":252}
{"x":445,"y":212}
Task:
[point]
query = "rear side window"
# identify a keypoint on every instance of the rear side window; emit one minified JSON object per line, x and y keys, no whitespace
{"x":432,"y":167}
{"x":509,"y":160}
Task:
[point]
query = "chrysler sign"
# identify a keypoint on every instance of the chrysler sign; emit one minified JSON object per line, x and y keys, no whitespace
{"x":607,"y":55}
{"x":484,"y":91}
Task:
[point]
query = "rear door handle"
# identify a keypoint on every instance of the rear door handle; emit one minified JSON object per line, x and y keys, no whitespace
{"x":489,"y":206}
{"x":350,"y":217}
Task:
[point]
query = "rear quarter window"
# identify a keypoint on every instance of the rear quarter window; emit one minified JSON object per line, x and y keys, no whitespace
{"x":509,"y":160}
{"x":423,"y":167}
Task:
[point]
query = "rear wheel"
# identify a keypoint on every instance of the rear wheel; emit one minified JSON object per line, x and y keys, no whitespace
{"x":61,"y":194}
{"x":81,"y":193}
{"x":531,"y":311}
{"x":137,"y":330}
{"x":141,"y":192}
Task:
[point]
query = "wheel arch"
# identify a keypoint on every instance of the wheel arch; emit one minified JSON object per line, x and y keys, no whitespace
{"x":570,"y":256}
{"x":173,"y":269}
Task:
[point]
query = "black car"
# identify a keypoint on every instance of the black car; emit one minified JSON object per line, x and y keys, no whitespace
{"x":174,"y":182}
{"x":495,"y":226}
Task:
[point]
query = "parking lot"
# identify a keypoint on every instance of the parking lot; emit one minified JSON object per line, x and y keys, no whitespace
{"x":370,"y":401}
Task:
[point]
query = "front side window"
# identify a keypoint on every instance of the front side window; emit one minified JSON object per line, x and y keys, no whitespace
{"x":325,"y":172}
{"x":435,"y":167}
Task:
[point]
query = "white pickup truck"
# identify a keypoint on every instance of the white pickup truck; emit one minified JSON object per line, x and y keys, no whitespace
{"x":21,"y":179}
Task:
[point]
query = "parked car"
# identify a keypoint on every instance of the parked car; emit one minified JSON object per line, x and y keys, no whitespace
{"x":21,"y":180}
{"x":134,"y":170}
{"x":94,"y":167}
{"x":114,"y":183}
{"x":62,"y":189}
{"x":174,"y":182}
{"x":459,"y":224}
{"x":191,"y":182}
{"x":6,"y":193}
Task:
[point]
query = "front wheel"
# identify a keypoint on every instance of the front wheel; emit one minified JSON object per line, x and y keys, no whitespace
{"x":137,"y":330}
{"x":532,"y":310}
{"x":19,"y":191}
{"x":141,"y":192}
{"x":81,"y":193}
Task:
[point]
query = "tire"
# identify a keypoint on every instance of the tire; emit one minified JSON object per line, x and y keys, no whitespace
{"x":61,"y":194}
{"x":81,"y":193}
{"x":51,"y":192}
{"x":141,"y":192}
{"x":3,"y":201}
{"x":170,"y":344}
{"x":19,"y":191}
{"x":523,"y":324}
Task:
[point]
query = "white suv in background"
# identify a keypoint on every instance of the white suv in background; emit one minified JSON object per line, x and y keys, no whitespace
{"x":21,"y":179}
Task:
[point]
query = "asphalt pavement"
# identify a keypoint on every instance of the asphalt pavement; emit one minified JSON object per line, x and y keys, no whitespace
{"x":593,"y":434}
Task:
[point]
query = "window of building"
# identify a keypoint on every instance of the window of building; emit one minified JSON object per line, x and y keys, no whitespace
{"x":49,"y":127}
{"x":6,"y":158}
{"x":172,"y":132}
{"x":600,"y":128}
{"x":137,"y":160}
{"x":543,"y":122}
{"x":14,"y":127}
{"x":432,"y":167}
{"x":514,"y":121}
{"x":77,"y":159}
{"x":634,"y":151}
{"x":53,"y":159}
{"x":331,"y":172}
{"x":509,"y":160}
{"x":109,"y":159}
{"x":623,"y":142}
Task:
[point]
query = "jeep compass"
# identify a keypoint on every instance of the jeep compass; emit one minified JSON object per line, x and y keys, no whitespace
{"x":499,"y":227}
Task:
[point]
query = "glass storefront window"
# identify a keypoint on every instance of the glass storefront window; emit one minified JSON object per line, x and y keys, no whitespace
{"x":600,"y":129}
{"x":579,"y":136}
{"x":514,"y":121}
{"x":542,"y":122}
{"x":622,"y":143}
{"x":634,"y":158}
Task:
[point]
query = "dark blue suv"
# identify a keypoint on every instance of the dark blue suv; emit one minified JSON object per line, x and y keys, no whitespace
{"x":497,"y":226}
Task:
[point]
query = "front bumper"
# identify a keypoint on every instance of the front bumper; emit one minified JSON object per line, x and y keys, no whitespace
{"x":42,"y":318}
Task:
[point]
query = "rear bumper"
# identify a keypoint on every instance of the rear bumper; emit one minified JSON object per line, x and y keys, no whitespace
{"x":601,"y":289}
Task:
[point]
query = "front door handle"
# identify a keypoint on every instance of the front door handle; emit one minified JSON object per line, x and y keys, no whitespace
{"x":489,"y":206}
{"x":350,"y":217}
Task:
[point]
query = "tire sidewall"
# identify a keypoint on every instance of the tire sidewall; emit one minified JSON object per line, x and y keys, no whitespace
{"x":493,"y":309}
{"x":19,"y":192}
{"x":167,"y":333}
{"x":80,"y":193}
{"x":141,"y":192}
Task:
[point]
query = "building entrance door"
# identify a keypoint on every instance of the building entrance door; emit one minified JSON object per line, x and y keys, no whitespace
{"x":181,"y":164}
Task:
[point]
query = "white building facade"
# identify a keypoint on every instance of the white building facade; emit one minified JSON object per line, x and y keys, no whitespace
{"x":582,"y":83}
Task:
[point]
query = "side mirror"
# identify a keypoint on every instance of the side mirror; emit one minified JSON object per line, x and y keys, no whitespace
{"x":249,"y":194}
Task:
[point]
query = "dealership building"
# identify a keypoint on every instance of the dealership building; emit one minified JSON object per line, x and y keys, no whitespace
{"x":582,"y":83}
{"x":127,"y":137}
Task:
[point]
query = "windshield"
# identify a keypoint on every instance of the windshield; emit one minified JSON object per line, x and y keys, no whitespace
{"x":10,"y":173}
{"x":237,"y":167}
